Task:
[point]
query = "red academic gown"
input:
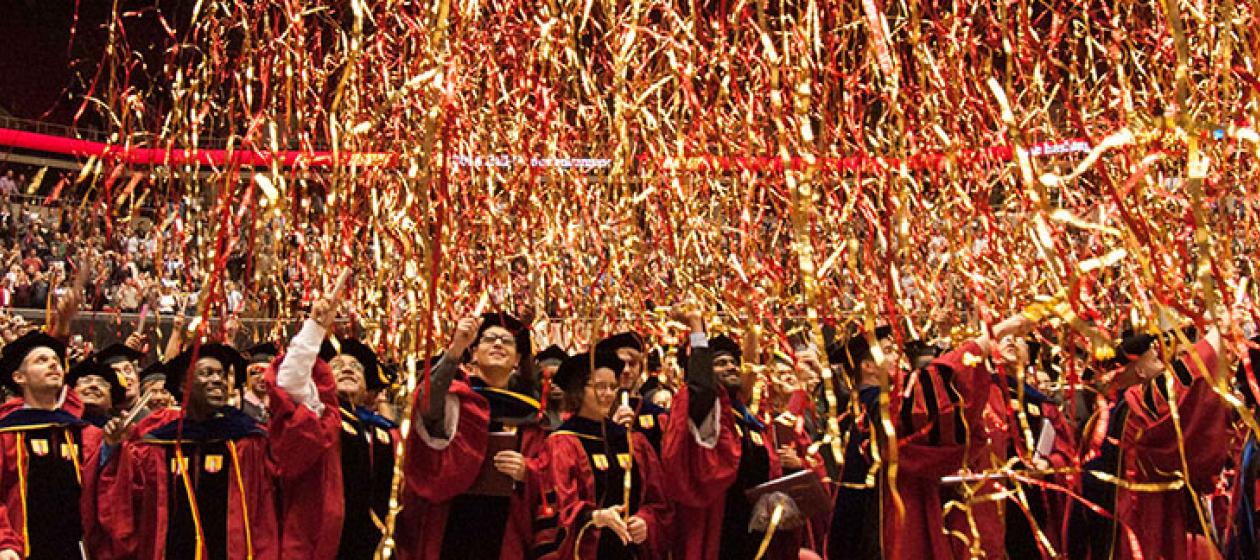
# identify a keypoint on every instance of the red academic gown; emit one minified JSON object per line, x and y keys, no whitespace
{"x":42,"y":438}
{"x":922,"y":462}
{"x":571,"y":473}
{"x":308,"y":467}
{"x":1162,"y":520}
{"x":1063,"y":456}
{"x":926,"y":415}
{"x":135,"y":483}
{"x":983,"y":524}
{"x":697,"y":479}
{"x":436,"y":478}
{"x":547,"y":533}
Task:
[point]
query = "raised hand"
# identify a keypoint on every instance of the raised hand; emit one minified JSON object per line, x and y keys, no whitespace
{"x":624,"y":415}
{"x":465,"y":332}
{"x":688,"y":314}
{"x":324,"y":310}
{"x":135,"y":342}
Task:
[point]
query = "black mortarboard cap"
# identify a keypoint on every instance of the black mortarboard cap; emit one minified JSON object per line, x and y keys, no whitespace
{"x":654,"y":360}
{"x":177,"y":369}
{"x":93,"y":366}
{"x":13,"y":353}
{"x":618,"y":341}
{"x":115,"y":353}
{"x":552,"y":353}
{"x":722,"y":344}
{"x":374,"y":376}
{"x":856,"y":349}
{"x":264,"y":353}
{"x":154,"y":370}
{"x":576,"y":371}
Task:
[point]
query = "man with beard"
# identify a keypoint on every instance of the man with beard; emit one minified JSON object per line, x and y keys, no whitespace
{"x":714,"y":449}
{"x":548,"y":362}
{"x":47,"y":451}
{"x":368,"y":443}
{"x":647,"y":418}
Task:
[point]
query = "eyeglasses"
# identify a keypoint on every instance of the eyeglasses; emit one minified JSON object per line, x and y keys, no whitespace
{"x":603,"y":386}
{"x":506,"y":339}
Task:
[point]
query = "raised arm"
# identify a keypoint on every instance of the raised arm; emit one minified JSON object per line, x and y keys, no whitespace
{"x":702,"y":384}
{"x":176,"y":341}
{"x":441,"y":375}
{"x":68,"y":305}
{"x":294,"y":375}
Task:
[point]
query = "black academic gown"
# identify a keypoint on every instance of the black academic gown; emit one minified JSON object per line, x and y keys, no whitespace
{"x":368,"y":442}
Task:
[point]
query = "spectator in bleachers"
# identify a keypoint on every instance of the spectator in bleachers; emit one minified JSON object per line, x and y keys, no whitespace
{"x":8,"y":187}
{"x":32,"y":263}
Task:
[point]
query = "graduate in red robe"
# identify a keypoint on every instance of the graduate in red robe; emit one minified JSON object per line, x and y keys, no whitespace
{"x":649,"y":419}
{"x":547,"y":532}
{"x":453,"y":419}
{"x":255,"y":396}
{"x":304,"y":427}
{"x":1142,"y":447}
{"x":934,"y":413}
{"x":368,"y":443}
{"x":199,"y":482}
{"x":1242,"y":537}
{"x":546,"y":363}
{"x":99,"y":385}
{"x":48,"y":456}
{"x":1047,"y":507}
{"x":588,"y":459}
{"x":715,"y":449}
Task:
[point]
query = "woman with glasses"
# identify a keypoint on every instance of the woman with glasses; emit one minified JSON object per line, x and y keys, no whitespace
{"x":472,"y":476}
{"x":589,"y":458}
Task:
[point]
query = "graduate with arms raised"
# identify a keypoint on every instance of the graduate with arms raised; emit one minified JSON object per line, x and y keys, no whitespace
{"x":715,"y":449}
{"x":200,"y":482}
{"x":472,"y":478}
{"x":934,"y":418}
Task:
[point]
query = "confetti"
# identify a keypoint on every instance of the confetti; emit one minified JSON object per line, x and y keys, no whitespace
{"x":846,"y":163}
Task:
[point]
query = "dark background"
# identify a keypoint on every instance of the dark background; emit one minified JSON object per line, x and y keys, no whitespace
{"x":48,"y":60}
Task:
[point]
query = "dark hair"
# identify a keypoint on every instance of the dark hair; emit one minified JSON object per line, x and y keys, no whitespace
{"x":573,"y":375}
{"x":857,"y":349}
{"x":572,"y":401}
{"x":525,"y":381}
